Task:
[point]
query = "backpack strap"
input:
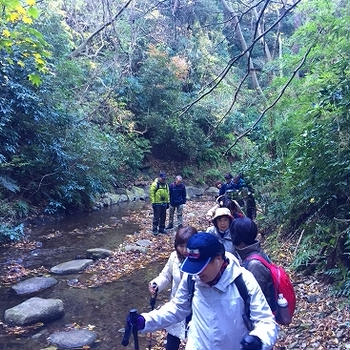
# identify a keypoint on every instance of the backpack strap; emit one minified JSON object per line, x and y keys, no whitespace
{"x":190,"y":287}
{"x":243,"y":291}
{"x":157,"y":187}
{"x":269,"y":266}
{"x":259,"y":258}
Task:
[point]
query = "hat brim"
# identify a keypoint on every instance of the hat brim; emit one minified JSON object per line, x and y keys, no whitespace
{"x":194,"y":267}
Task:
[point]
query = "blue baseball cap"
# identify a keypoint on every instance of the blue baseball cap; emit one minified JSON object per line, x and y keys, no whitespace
{"x":162,"y":175}
{"x":201,"y":248}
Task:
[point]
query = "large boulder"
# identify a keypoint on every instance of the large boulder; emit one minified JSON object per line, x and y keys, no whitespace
{"x":34,"y":310}
{"x":34,"y":285}
{"x":136,"y":193}
{"x":72,"y":266}
{"x":76,"y":338}
{"x":194,"y":192}
{"x":139,"y":193}
{"x":212,"y":191}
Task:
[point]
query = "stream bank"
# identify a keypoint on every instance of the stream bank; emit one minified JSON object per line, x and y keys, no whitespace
{"x":110,"y":287}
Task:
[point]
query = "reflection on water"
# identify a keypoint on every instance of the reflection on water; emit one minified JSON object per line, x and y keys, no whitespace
{"x":104,"y":307}
{"x":70,"y":237}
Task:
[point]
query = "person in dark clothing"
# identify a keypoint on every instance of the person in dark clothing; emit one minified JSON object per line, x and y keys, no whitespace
{"x":238,"y":182}
{"x":247,"y":192}
{"x":243,"y":234}
{"x":226,"y":186}
{"x":177,"y":192}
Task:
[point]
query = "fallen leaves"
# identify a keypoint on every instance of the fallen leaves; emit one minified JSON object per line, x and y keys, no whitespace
{"x":20,"y":330}
{"x":123,"y":262}
{"x":15,"y":272}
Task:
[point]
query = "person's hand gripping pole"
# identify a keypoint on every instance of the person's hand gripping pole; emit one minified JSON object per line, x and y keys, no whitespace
{"x":134,"y":323}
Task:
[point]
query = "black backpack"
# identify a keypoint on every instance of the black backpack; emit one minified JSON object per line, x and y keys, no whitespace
{"x":243,"y":291}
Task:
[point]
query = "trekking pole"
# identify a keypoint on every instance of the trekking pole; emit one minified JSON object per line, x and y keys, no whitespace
{"x":133,"y":315}
{"x":152,"y":303}
{"x":130,"y":326}
{"x":153,"y":299}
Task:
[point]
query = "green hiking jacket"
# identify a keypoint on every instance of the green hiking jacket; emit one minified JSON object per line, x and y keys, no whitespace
{"x":159,"y":193}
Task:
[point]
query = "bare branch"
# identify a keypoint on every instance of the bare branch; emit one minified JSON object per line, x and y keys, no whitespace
{"x":273,"y":104}
{"x":223,"y":74}
{"x":82,"y":46}
{"x":41,"y":181}
{"x":250,"y":66}
{"x":234,"y":30}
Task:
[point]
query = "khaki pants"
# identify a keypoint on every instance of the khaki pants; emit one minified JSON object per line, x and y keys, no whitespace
{"x":179,"y":209}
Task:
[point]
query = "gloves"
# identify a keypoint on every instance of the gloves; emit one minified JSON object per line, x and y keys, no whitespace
{"x":251,"y":342}
{"x":134,"y":323}
{"x":136,"y":320}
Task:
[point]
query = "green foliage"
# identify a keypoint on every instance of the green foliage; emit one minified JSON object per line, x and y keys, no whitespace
{"x":8,"y":233}
{"x":301,"y":164}
{"x":67,"y":136}
{"x":211,"y":176}
{"x":22,"y":208}
{"x":21,"y":44}
{"x":51,"y":154}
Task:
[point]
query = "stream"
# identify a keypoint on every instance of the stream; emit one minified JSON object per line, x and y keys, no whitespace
{"x":104,"y":308}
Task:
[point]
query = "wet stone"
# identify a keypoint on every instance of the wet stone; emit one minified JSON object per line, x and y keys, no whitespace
{"x":71,"y":266}
{"x":76,"y":338}
{"x":34,"y":310}
{"x":34,"y":285}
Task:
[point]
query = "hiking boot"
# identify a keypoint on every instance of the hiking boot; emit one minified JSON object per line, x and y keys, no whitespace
{"x":169,"y":227}
{"x":155,"y":232}
{"x":180,"y":226}
{"x":162,"y":231}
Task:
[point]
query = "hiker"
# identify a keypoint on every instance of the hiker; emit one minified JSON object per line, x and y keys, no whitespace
{"x":219,"y":319}
{"x":222,"y":220}
{"x":225,"y":202}
{"x":238,"y":182}
{"x":177,"y":192}
{"x":243,"y":233}
{"x":159,"y":196}
{"x":171,"y":274}
{"x":227,"y":185}
{"x":247,"y":194}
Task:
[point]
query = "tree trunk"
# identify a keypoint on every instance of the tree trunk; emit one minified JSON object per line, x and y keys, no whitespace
{"x":263,"y":41}
{"x":244,"y":46}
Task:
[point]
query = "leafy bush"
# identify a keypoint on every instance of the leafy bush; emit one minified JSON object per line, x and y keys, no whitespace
{"x":8,"y":233}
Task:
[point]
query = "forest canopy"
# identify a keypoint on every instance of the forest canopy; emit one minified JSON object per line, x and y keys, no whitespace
{"x":91,"y":90}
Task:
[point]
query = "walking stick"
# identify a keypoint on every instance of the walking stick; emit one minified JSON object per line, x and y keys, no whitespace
{"x":134,"y":328}
{"x":152,"y":303}
{"x":130,"y":327}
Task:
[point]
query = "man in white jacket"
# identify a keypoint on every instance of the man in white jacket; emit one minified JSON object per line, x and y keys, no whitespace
{"x":217,"y":306}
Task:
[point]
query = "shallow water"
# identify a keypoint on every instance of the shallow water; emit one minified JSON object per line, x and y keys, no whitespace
{"x":104,"y":307}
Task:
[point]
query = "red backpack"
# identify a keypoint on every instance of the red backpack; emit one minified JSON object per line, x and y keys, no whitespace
{"x":282,"y":284}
